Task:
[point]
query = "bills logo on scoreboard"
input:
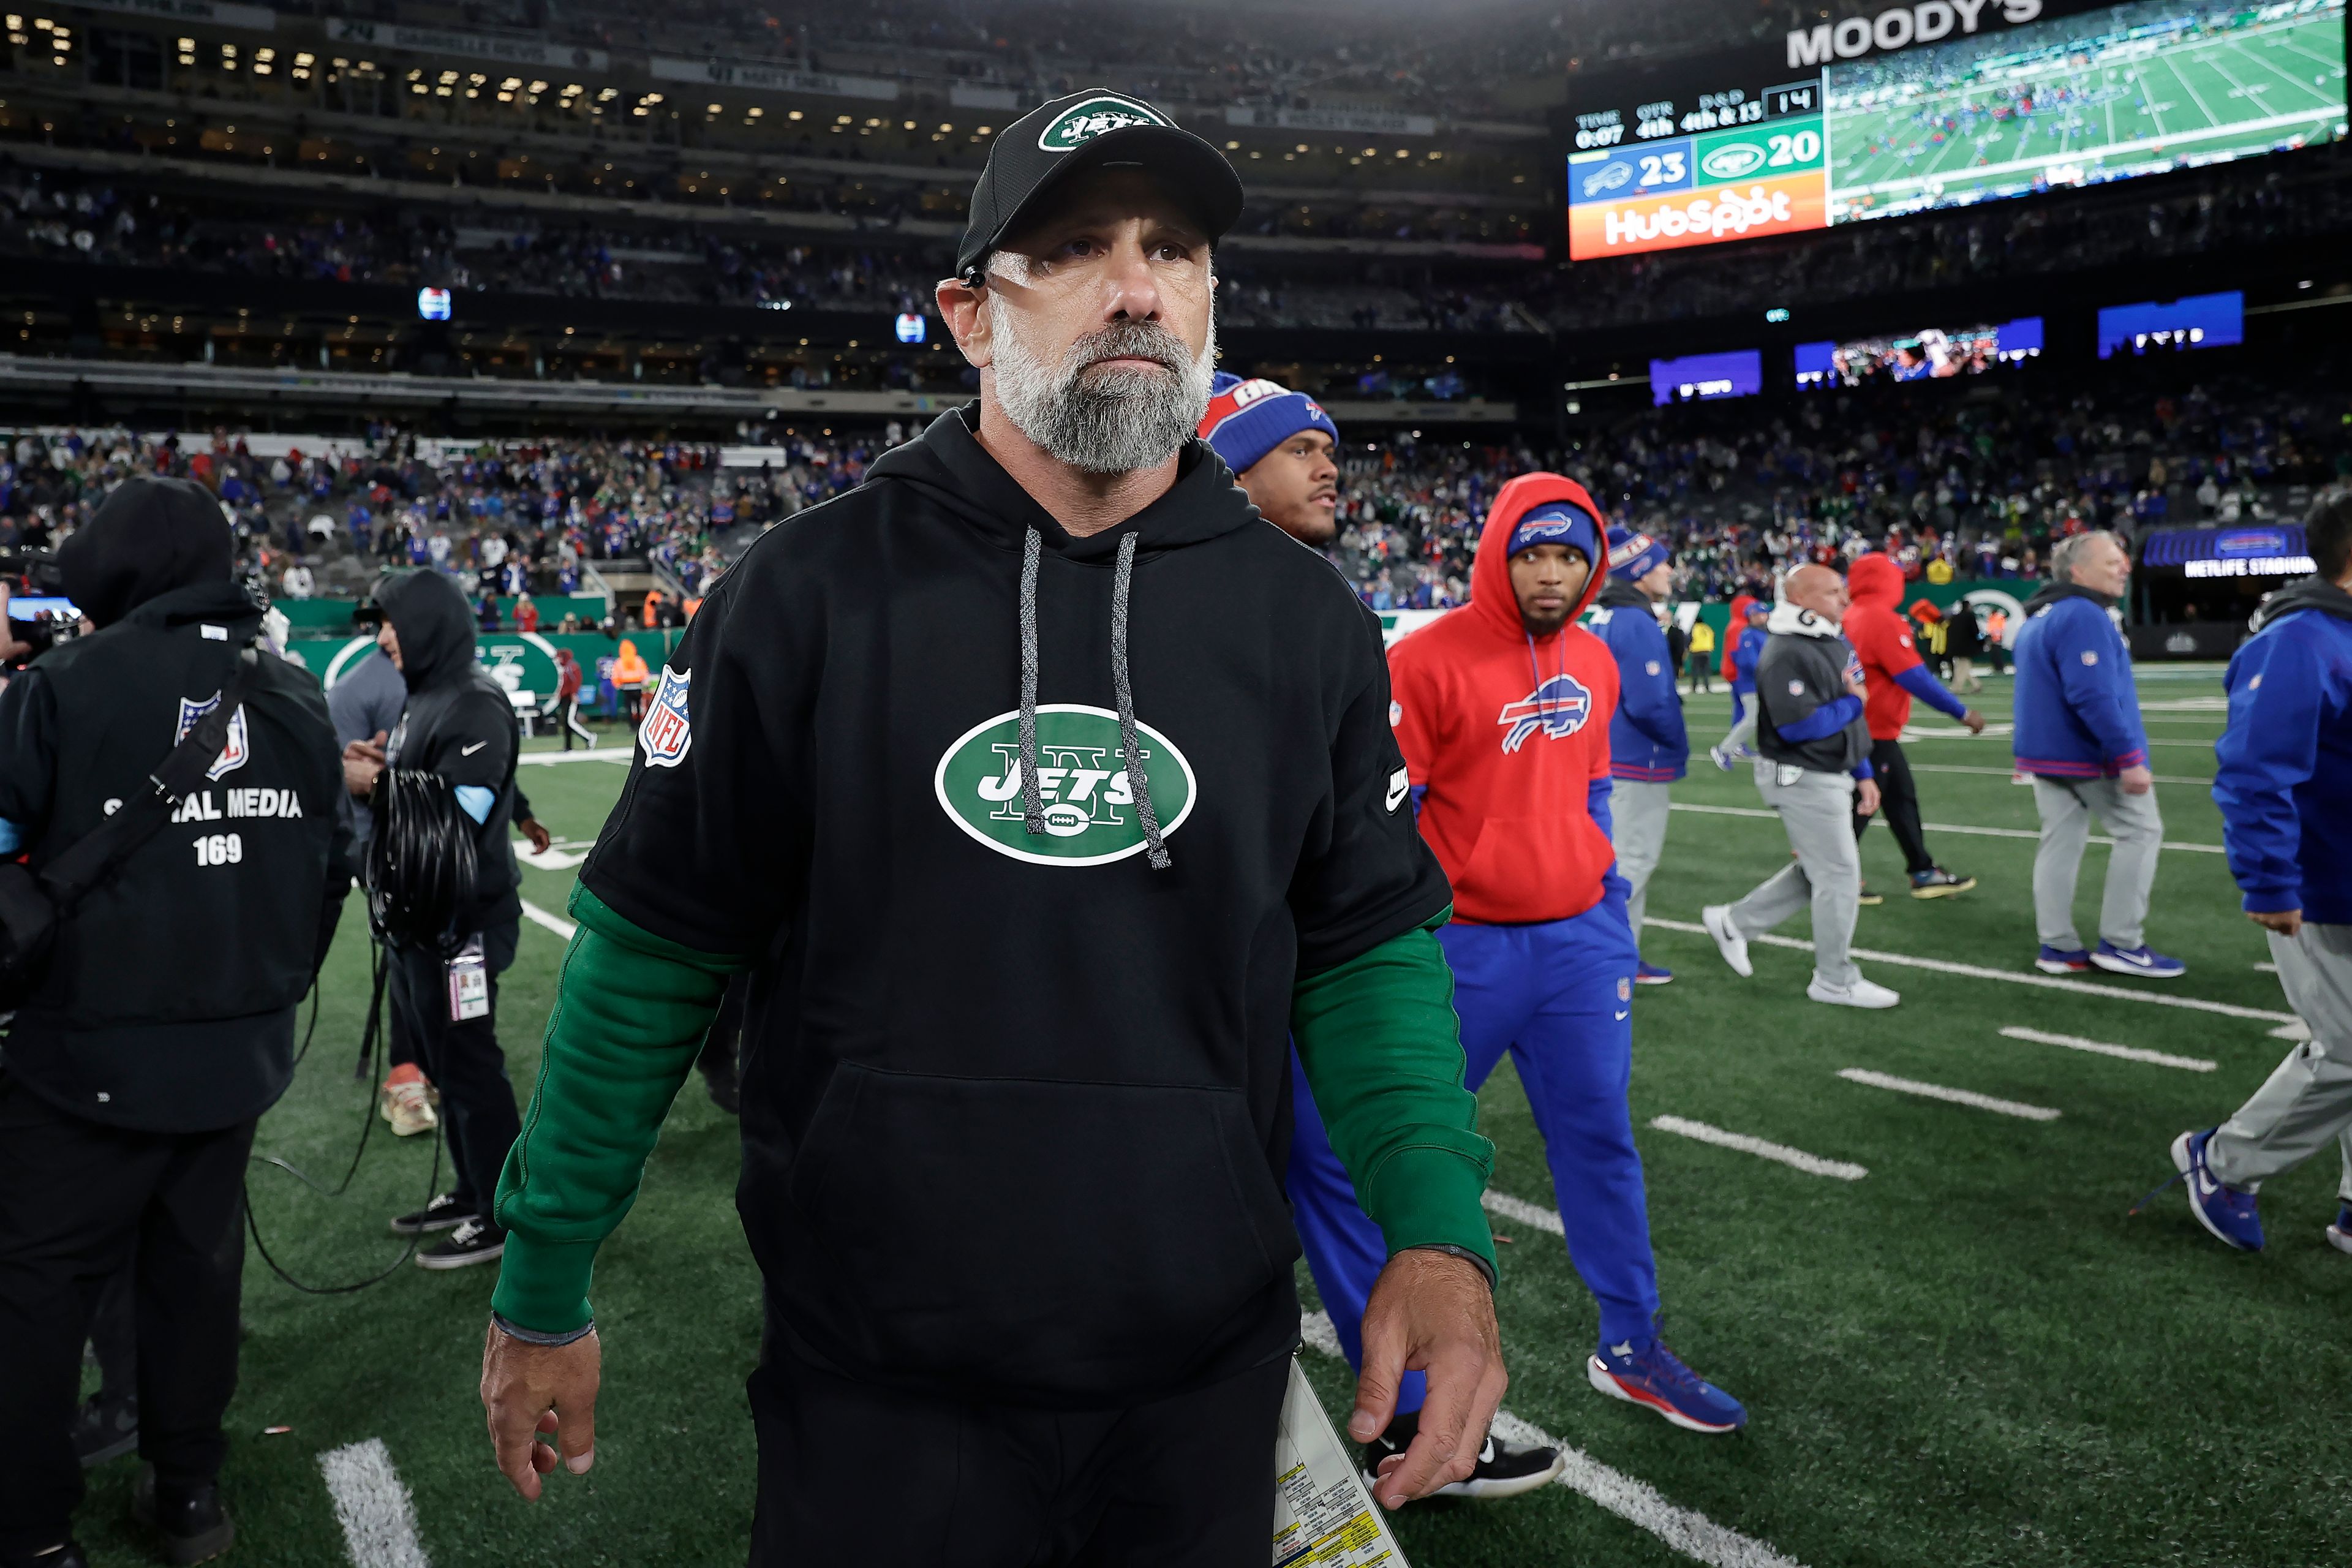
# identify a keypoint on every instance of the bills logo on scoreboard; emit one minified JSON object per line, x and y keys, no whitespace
{"x":666,"y":732}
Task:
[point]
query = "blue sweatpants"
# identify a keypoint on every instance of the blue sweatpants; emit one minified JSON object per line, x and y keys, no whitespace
{"x":1557,"y":996}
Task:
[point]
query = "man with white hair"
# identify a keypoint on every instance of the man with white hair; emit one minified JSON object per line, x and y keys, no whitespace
{"x":1045,"y":796}
{"x":2079,"y":737}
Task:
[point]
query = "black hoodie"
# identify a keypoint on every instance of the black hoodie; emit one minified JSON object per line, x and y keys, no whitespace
{"x":1014,"y":1101}
{"x":458,"y":725}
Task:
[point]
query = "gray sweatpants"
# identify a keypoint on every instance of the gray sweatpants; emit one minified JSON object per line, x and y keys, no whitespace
{"x":2067,"y":806}
{"x":2307,"y":1099}
{"x":1817,"y":810}
{"x":1638,"y":812}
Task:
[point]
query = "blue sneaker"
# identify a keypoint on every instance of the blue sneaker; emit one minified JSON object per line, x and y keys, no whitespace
{"x":1720,"y":757}
{"x":2063,"y":961}
{"x":1651,"y":974}
{"x":2228,"y":1213}
{"x":2142,"y":960}
{"x":1651,"y":1374}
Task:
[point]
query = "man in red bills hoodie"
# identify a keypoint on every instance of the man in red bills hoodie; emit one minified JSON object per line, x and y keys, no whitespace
{"x":1502,"y":711}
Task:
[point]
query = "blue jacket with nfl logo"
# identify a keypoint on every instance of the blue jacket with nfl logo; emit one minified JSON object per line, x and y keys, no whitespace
{"x":1647,"y":741}
{"x":2078,"y":709}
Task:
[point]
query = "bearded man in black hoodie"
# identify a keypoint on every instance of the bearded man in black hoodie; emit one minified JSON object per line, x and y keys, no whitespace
{"x":1044,"y":791}
{"x":162,"y":1026}
{"x":456,"y":744}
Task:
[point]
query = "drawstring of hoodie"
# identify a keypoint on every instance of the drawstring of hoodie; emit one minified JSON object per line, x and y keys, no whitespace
{"x":1138,"y":784}
{"x":1033,"y":807}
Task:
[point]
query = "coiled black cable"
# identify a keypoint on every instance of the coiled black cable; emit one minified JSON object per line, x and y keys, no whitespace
{"x":421,"y":860}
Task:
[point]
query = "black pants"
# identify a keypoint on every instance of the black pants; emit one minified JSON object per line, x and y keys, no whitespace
{"x":78,"y":1201}
{"x":1898,"y":801}
{"x":465,"y":1063}
{"x":853,"y":1473}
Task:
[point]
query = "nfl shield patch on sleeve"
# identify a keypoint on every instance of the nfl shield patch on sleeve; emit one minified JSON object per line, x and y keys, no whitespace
{"x":667,"y":732}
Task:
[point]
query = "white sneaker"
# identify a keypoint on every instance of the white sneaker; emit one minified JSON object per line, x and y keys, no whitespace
{"x":1860,"y":994}
{"x":1716,"y":917}
{"x":2339,"y":1235}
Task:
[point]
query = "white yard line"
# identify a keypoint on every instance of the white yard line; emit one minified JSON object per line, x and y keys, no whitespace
{"x":1637,"y":1502}
{"x":372,"y":1504}
{"x":556,"y":923}
{"x":2267,"y":967}
{"x":1978,"y":971}
{"x":2101,"y":1048}
{"x":1526,"y":1213}
{"x":1954,"y":1096}
{"x":622,"y":754}
{"x":1811,"y":1164}
{"x":1939,"y":827}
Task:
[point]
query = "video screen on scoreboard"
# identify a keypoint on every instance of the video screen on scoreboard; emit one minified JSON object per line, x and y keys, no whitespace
{"x":1933,"y":353}
{"x":1938,"y":104}
{"x":1699,"y":378}
{"x":2193,"y":321}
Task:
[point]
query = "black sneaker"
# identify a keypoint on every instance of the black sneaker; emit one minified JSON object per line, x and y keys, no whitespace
{"x":1505,"y":1470}
{"x":105,"y":1430}
{"x":472,"y":1242}
{"x":1934,"y":882}
{"x":195,"y":1527}
{"x":444,"y":1213}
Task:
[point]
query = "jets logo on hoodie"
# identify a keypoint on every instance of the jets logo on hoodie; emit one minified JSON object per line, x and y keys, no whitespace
{"x":1089,"y":815}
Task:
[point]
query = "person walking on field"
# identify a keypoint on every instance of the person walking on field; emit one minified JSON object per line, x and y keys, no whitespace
{"x":1648,"y":746}
{"x":2285,"y":787}
{"x":1047,"y":797}
{"x":1893,"y":674}
{"x":2079,"y":738}
{"x":1813,"y":769}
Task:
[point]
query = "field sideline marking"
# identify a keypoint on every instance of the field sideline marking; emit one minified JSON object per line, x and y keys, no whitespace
{"x":1811,"y":1164}
{"x":372,"y":1504}
{"x":1956,"y":1096}
{"x":1638,"y":1503}
{"x":1978,"y":971}
{"x":623,"y":754}
{"x":1526,"y":1213}
{"x":1933,"y":826}
{"x":556,"y":923}
{"x":2100,"y":1047}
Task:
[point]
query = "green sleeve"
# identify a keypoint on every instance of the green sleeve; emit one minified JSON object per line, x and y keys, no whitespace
{"x":631,"y":1011}
{"x":1383,"y":1051}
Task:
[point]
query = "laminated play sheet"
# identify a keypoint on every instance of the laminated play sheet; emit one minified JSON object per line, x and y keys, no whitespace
{"x":1323,"y":1515}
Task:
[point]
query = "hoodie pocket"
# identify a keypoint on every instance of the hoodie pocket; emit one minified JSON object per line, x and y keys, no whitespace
{"x":1532,"y":868}
{"x":1065,"y":1240}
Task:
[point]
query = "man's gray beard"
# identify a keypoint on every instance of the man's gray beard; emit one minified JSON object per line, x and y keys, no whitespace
{"x":1103,"y":421}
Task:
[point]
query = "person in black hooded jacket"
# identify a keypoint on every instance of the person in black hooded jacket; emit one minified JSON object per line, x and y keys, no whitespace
{"x":451,"y":759}
{"x":162,"y":1026}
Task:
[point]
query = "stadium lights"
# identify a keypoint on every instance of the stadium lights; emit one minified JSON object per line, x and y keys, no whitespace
{"x":792,"y":114}
{"x":1777,"y":314}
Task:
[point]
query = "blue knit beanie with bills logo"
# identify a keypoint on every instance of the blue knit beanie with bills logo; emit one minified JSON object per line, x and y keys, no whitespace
{"x":1248,"y":419}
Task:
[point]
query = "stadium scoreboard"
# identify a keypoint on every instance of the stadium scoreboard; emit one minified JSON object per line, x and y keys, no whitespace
{"x":1936,"y":104}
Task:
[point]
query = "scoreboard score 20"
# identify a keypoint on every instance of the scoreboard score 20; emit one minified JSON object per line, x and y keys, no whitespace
{"x":1728,"y":162}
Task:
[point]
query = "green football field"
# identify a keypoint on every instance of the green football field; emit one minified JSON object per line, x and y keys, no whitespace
{"x":1969,"y":1356}
{"x":2125,"y":108}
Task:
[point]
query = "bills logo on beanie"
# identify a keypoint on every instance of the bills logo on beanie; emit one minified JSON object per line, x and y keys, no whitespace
{"x":1557,"y":523}
{"x":1248,"y":419}
{"x":1633,"y":555}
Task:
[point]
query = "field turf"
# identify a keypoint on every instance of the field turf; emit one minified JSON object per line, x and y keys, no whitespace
{"x":1971,"y":1355}
{"x":2250,"y":90}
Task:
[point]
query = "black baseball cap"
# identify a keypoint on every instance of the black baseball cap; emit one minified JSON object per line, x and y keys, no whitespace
{"x":1090,"y":131}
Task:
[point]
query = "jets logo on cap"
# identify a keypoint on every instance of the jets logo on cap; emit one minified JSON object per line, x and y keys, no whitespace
{"x":1083,"y":122}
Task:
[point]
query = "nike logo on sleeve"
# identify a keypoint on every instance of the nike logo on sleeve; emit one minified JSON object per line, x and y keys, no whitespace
{"x":470,"y":751}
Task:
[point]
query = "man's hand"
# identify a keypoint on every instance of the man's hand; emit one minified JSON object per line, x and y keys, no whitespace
{"x":1974,"y":720}
{"x":1429,"y":1312}
{"x":1865,"y":797}
{"x":531,"y":1391}
{"x":2135,"y":781}
{"x":2286,"y":922}
{"x":363,"y":762}
{"x":539,"y":837}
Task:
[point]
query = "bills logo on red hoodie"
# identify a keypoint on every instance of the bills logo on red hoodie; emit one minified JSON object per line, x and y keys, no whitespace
{"x":1556,"y":709}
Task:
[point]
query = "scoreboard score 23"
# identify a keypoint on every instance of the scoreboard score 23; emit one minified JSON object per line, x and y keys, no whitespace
{"x":1737,"y":165}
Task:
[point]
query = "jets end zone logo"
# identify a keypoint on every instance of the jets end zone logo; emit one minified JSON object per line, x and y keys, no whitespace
{"x":1093,"y":117}
{"x":1091,"y":815}
{"x":233,"y":755}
